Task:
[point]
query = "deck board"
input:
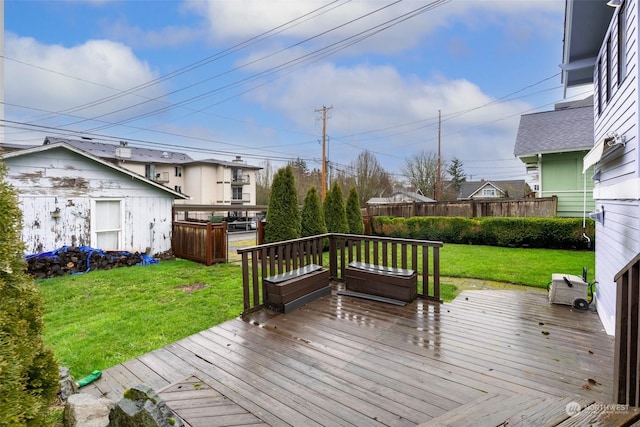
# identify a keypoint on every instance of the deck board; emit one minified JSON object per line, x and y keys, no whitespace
{"x":346,"y":361}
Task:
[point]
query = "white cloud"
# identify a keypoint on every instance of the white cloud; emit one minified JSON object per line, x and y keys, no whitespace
{"x":55,"y":78}
{"x":242,"y":19}
{"x":367,"y":98}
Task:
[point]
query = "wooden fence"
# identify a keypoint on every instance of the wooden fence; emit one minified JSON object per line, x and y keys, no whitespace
{"x":270,"y":259}
{"x":200,"y":242}
{"x":528,"y":207}
{"x":626,"y":371}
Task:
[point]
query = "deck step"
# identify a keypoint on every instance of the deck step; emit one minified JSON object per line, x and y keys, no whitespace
{"x":199,"y":405}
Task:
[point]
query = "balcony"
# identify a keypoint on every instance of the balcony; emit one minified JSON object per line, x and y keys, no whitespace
{"x":240,"y":180}
{"x":161,"y":177}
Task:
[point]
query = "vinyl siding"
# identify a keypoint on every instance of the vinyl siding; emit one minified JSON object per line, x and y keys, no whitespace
{"x":619,"y":234}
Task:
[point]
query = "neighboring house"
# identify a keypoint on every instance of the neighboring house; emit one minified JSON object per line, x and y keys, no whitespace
{"x":206,"y":182}
{"x":601,"y":48}
{"x":400,"y":196}
{"x":552,"y":145}
{"x":69,"y":197}
{"x":515,"y":189}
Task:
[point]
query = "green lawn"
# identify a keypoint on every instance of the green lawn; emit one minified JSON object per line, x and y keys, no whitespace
{"x":99,"y":319}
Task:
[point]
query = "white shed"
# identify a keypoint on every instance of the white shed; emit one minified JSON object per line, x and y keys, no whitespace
{"x":70,"y":197}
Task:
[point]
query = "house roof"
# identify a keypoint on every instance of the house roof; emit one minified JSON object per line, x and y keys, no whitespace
{"x":65,"y":146}
{"x":586,"y":23}
{"x":108,"y":151}
{"x":514,"y":188}
{"x":139,"y":154}
{"x":567,"y":128}
{"x":223,"y":163}
{"x":400,"y":197}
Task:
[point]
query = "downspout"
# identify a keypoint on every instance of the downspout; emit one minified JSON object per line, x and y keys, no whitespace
{"x":584,"y":211}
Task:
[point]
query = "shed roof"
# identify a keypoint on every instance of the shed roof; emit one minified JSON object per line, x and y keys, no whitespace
{"x":560,"y":130}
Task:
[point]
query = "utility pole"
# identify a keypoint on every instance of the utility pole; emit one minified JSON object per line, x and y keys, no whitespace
{"x":439,"y":177}
{"x":324,"y":144}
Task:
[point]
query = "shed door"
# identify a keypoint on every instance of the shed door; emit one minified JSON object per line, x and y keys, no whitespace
{"x":107,"y":224}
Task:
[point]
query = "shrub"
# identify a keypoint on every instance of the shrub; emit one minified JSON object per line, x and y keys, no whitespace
{"x":312,"y":217}
{"x":334,"y":214}
{"x":28,"y":370}
{"x":551,"y":233}
{"x":283,"y":215}
{"x":354,"y":216}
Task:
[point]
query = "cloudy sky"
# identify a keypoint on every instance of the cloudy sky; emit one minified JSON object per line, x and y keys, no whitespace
{"x":222,"y":78}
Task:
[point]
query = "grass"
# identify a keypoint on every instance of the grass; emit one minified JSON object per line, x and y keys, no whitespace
{"x":531,"y":267}
{"x":97,"y":320}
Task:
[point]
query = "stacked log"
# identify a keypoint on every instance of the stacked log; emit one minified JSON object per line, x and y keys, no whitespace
{"x":74,"y":260}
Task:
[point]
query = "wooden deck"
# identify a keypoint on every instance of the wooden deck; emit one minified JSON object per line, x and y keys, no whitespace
{"x":489,"y":356}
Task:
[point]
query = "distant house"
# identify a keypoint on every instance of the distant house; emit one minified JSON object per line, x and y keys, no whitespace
{"x":552,"y":144}
{"x":207,"y":182}
{"x":400,"y":196}
{"x":515,"y":189}
{"x":70,"y":197}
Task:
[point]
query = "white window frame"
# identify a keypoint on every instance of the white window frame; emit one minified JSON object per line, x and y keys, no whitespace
{"x":488,"y":192}
{"x":94,"y":232}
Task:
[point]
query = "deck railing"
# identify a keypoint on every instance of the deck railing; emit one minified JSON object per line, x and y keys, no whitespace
{"x":626,"y":370}
{"x":270,"y":259}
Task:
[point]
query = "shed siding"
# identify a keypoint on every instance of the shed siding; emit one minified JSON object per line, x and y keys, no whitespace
{"x":63,"y":180}
{"x":619,"y":233}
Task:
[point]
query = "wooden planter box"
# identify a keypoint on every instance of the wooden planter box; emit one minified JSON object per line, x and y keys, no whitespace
{"x":395,"y":283}
{"x":290,"y":290}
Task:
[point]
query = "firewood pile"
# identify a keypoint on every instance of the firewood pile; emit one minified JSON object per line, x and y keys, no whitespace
{"x":81,"y":259}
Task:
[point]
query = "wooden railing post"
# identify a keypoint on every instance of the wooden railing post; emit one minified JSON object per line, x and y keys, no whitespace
{"x":626,"y":373}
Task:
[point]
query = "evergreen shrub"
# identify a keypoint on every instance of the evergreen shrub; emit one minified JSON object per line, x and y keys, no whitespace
{"x":28,"y":370}
{"x":550,"y":233}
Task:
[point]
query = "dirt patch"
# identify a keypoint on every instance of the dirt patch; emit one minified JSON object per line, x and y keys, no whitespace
{"x":192,"y":287}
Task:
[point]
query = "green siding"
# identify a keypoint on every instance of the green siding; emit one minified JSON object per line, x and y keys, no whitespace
{"x":561,"y":176}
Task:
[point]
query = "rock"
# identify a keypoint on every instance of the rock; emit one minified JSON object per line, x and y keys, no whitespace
{"x":67,"y":385}
{"x":142,"y":407}
{"x":85,"y":410}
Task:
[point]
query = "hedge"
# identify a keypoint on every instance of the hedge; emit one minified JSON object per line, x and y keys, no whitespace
{"x":550,"y":233}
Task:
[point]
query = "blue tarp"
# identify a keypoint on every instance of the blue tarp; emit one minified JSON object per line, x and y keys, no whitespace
{"x":89,"y":251}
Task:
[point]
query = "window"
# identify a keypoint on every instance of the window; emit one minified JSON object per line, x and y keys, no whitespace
{"x":107,"y":224}
{"x":622,"y":43}
{"x":609,"y":73}
{"x":178,"y":171}
{"x":150,"y":171}
{"x":599,"y":85}
{"x":178,"y":188}
{"x":489,"y":192}
{"x":237,"y":193}
{"x":237,"y":174}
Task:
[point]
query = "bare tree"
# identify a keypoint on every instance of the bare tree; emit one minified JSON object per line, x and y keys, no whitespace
{"x":264,"y":177}
{"x":371,"y":180}
{"x":421,"y":170}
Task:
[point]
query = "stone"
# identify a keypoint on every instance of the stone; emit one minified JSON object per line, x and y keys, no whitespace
{"x":142,"y":407}
{"x":67,"y":385}
{"x":85,"y":410}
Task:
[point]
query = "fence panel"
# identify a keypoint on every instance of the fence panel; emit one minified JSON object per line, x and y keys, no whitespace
{"x":529,"y":207}
{"x":200,"y":242}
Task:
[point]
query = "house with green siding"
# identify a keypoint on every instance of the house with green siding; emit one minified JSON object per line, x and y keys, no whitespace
{"x":552,"y":145}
